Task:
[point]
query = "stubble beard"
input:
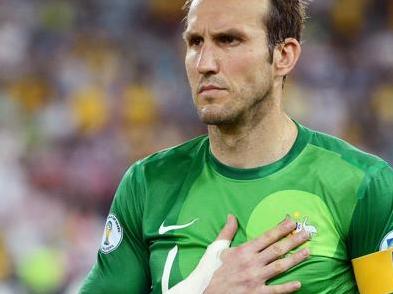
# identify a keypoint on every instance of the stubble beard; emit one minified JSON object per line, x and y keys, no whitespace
{"x":227,"y":115}
{"x":217,"y":117}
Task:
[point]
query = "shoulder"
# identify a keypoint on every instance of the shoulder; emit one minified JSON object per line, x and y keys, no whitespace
{"x":183,"y":152}
{"x":346,"y":153}
{"x":171,"y":160}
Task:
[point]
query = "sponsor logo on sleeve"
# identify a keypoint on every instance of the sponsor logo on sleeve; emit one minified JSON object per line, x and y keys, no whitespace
{"x":387,"y":241}
{"x":113,"y":234}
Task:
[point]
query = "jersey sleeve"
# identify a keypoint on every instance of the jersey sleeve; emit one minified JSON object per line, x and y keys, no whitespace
{"x":372,"y":221}
{"x":122,"y":264}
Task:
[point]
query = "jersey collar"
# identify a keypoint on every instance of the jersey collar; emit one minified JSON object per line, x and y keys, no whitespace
{"x":263,"y":171}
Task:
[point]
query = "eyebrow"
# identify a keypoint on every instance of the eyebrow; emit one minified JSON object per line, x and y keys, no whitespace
{"x":187,"y":35}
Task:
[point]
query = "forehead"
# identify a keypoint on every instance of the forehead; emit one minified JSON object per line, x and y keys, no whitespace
{"x":223,"y":14}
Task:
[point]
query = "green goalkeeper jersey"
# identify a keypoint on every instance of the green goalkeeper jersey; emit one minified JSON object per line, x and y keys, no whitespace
{"x":170,"y":206}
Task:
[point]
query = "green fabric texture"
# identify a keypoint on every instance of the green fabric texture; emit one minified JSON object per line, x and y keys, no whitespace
{"x":339,"y":193}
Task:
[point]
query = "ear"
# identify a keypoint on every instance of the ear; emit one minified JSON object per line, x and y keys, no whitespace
{"x":286,"y":56}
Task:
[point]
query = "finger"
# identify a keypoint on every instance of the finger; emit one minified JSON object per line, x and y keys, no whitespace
{"x":272,"y":236}
{"x":282,"y":265}
{"x":229,"y":230}
{"x":280,"y":248}
{"x":281,"y":289}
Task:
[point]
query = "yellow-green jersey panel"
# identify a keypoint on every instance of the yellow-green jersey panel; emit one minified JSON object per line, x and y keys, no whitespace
{"x":170,"y":206}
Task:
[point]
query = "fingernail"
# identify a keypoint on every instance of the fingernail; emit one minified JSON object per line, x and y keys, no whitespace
{"x":229,"y":218}
{"x":287,"y":217}
{"x":297,"y":285}
{"x":305,"y":252}
{"x":301,"y":236}
{"x":289,"y":224}
{"x":306,"y":235}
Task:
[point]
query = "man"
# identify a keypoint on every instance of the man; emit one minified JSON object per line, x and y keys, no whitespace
{"x":255,"y":164}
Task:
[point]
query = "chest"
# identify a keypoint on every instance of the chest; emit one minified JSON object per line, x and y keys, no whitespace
{"x":180,"y":234}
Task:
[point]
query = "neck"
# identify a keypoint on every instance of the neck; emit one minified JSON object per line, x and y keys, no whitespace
{"x":264,"y":137}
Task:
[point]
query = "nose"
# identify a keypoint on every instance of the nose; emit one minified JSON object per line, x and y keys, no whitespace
{"x":207,"y":61}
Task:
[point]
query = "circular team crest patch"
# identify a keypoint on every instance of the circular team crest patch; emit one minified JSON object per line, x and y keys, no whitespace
{"x":113,"y":234}
{"x":387,"y":241}
{"x":308,"y":210}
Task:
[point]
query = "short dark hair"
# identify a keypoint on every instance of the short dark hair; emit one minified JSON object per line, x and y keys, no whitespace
{"x":285,"y":19}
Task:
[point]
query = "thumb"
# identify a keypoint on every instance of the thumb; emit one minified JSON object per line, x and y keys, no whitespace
{"x":229,"y":230}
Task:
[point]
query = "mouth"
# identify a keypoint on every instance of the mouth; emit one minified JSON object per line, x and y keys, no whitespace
{"x":209,"y":88}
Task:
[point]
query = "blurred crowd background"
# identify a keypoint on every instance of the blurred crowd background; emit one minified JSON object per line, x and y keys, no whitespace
{"x":88,"y":87}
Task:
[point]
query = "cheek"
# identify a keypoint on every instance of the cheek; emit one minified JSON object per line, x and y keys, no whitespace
{"x":248,"y":70}
{"x":189,"y":62}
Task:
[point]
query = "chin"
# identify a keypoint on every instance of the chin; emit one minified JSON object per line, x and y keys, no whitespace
{"x":215,"y":115}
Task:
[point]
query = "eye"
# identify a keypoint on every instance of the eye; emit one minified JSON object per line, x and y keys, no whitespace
{"x":228,"y":40}
{"x":195,"y":41}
